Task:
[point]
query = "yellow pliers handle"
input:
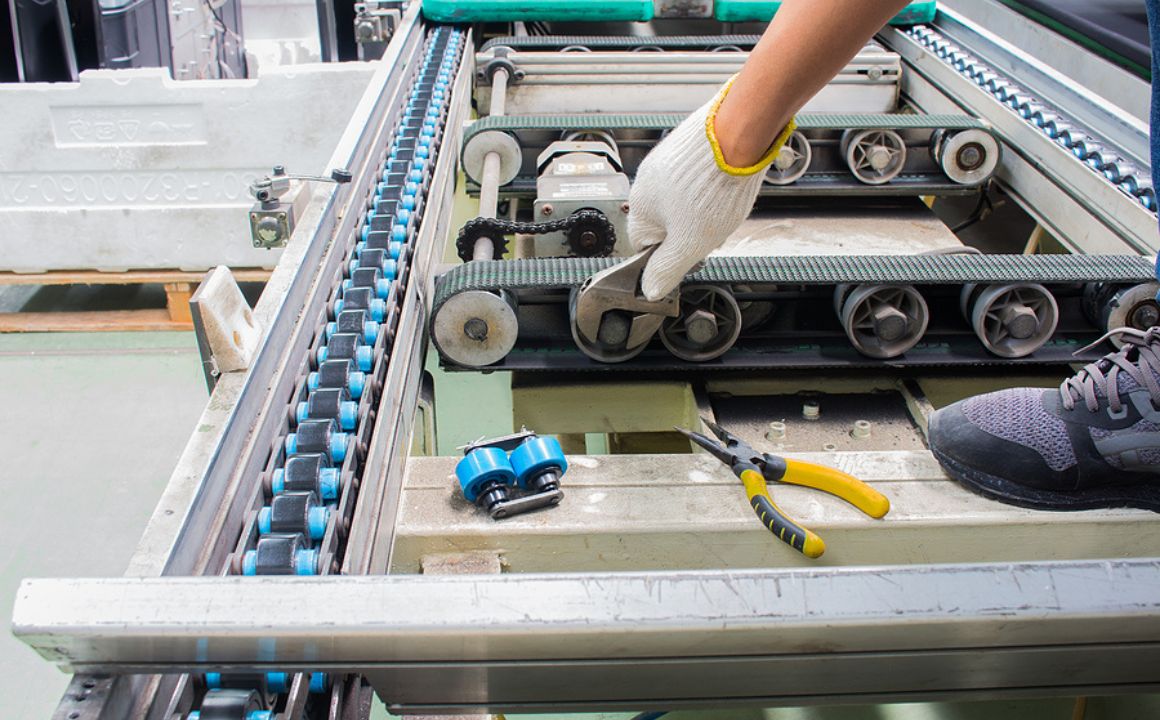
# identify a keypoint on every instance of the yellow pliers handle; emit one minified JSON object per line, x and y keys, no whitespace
{"x":819,"y":477}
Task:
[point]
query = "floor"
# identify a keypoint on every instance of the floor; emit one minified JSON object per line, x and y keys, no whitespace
{"x":92,"y":427}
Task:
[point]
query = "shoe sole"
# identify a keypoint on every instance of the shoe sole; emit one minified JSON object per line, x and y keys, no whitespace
{"x":1144,"y":496}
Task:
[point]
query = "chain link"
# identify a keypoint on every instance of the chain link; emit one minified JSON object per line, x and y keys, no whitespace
{"x":496,"y":229}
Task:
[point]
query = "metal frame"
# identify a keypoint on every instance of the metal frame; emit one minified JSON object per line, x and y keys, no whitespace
{"x":597,"y":640}
{"x":608,"y":640}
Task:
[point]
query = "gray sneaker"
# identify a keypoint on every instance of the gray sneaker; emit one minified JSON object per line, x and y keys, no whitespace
{"x":1093,"y":443}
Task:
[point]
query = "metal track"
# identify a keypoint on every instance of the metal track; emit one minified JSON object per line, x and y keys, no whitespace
{"x":811,"y":336}
{"x":1048,"y":164}
{"x":364,"y":314}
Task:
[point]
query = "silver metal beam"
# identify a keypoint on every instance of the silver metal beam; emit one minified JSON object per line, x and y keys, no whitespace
{"x":598,"y":639}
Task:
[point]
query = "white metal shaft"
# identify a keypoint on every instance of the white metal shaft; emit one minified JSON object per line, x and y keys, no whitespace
{"x":489,"y":185}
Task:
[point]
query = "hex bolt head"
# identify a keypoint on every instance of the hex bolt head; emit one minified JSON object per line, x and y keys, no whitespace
{"x":701,"y":327}
{"x":1021,"y":321}
{"x":889,"y":323}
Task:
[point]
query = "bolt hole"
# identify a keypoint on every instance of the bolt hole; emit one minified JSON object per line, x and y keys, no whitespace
{"x":90,"y":684}
{"x":73,"y":715}
{"x":829,"y":447}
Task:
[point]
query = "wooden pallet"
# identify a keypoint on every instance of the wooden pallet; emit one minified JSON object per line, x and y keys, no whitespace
{"x":179,"y":285}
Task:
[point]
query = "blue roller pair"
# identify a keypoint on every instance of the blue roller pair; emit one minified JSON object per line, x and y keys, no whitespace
{"x":485,"y":466}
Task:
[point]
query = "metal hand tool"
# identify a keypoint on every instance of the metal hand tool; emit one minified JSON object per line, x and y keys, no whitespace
{"x":757,"y":469}
{"x":611,"y":320}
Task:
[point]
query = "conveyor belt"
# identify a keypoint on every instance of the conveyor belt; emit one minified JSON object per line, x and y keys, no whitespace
{"x":313,"y":474}
{"x":808,"y":332}
{"x":826,"y":168}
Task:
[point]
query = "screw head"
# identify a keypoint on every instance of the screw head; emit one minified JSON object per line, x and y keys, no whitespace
{"x":546,"y":209}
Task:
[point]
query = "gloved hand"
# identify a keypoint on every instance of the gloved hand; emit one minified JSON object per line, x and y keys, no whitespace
{"x":688,"y":199}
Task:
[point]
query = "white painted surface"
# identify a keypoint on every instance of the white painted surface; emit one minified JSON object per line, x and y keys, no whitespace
{"x":129,"y":169}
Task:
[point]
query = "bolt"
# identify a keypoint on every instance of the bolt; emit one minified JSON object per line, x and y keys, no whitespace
{"x":701,"y":327}
{"x":476,"y":329}
{"x":861,"y":429}
{"x":811,"y":410}
{"x":588,"y":240}
{"x":1021,"y":321}
{"x":889,"y":323}
{"x":614,"y":329}
{"x":776,"y":431}
{"x":879,"y":157}
{"x":624,"y":208}
{"x":546,"y":210}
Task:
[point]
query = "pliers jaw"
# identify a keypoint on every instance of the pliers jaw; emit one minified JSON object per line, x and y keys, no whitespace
{"x":771,"y":467}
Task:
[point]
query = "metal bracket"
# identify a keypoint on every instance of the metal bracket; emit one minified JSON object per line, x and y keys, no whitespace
{"x":272,"y":218}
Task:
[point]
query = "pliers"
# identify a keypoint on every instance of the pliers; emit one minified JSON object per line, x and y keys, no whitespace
{"x":757,"y":469}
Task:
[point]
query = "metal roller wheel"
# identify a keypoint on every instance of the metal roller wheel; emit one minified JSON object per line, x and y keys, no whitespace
{"x":476,"y":328}
{"x":1110,"y":306}
{"x":754,"y":312}
{"x":875,"y":157}
{"x":611,"y":346}
{"x":791,"y":162}
{"x":1011,"y":320}
{"x":968,"y":157}
{"x":882,"y":321}
{"x":707,"y":327}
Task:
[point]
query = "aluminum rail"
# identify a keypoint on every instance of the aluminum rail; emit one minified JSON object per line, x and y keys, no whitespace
{"x":199,"y":516}
{"x":674,"y":639}
{"x":1076,"y":204}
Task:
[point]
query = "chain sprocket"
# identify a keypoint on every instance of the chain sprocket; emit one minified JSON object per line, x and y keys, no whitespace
{"x":589,"y":233}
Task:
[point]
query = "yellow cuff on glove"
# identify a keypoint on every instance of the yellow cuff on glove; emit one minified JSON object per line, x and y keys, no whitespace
{"x":711,"y":133}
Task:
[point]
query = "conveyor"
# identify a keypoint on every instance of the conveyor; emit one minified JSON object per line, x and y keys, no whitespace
{"x":313,"y":549}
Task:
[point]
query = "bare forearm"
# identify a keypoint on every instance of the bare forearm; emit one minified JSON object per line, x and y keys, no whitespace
{"x":805,"y":45}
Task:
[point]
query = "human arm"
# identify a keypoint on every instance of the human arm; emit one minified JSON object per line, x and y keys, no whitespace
{"x":698,"y":185}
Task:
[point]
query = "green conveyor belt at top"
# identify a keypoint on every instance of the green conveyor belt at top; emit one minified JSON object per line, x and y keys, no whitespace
{"x":918,"y":11}
{"x":537,"y":10}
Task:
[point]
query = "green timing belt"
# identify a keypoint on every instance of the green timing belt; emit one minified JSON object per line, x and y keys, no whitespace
{"x":666,"y":121}
{"x":565,"y":273}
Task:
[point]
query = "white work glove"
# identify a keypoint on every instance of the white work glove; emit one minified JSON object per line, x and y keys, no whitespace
{"x":688,"y":199}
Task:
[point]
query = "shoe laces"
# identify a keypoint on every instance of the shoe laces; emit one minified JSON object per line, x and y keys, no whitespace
{"x":1138,"y":358}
